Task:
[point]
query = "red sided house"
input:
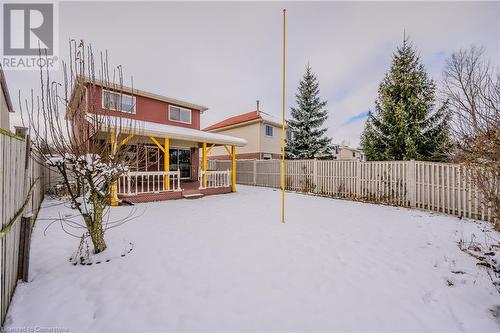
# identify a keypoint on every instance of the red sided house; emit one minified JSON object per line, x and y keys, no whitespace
{"x":165,"y":131}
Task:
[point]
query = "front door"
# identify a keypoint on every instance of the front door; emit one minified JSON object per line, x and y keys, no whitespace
{"x":181,"y":159}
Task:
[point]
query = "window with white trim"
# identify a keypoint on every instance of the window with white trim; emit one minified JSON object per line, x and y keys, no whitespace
{"x":269,"y":130}
{"x":116,"y":101}
{"x":179,"y":114}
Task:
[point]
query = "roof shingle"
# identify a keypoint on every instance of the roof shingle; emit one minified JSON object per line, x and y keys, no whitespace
{"x":241,"y":118}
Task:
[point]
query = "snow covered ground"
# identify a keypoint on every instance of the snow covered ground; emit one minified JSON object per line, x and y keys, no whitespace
{"x":226,"y":263}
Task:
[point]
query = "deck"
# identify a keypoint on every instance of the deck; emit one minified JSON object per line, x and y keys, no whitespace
{"x":189,"y":188}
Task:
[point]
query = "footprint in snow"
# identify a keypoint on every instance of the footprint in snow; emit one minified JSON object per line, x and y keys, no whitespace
{"x":430,"y":296}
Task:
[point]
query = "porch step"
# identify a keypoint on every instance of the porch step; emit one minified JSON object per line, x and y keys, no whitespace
{"x":192,"y":196}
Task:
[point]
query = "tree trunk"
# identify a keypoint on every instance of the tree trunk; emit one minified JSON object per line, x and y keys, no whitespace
{"x":496,"y":218}
{"x":94,"y":226}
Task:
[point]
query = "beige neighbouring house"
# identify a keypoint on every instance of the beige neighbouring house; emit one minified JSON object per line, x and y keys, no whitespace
{"x":261,"y":131}
{"x":348,"y":153}
{"x":5,"y":103}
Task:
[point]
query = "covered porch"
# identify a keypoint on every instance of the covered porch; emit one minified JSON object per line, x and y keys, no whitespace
{"x":170,"y":162}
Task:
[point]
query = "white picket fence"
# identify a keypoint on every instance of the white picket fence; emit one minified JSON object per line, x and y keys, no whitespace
{"x":440,"y":187}
{"x":19,"y":170}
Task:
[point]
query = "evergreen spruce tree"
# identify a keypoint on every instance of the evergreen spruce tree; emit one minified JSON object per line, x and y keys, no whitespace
{"x":405,"y":124}
{"x":308,"y":138}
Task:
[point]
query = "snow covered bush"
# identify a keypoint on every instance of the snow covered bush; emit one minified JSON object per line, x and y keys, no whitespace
{"x":95,"y":178}
{"x":67,"y":129}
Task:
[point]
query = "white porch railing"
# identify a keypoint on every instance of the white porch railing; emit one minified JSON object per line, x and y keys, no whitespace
{"x":215,"y":179}
{"x":140,"y":182}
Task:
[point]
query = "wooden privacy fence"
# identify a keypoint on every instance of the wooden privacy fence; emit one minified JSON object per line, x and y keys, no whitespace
{"x":440,"y":187}
{"x":22,"y":188}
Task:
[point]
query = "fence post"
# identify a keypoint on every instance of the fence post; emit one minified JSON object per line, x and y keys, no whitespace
{"x":358,"y":179}
{"x":254,"y":169}
{"x":315,"y":175}
{"x":24,"y":248}
{"x":412,"y":186}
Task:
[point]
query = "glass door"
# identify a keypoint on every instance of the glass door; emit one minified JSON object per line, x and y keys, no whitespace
{"x":181,"y":159}
{"x":152,"y":159}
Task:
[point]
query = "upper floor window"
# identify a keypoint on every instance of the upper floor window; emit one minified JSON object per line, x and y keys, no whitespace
{"x":269,"y":130}
{"x":179,"y":114}
{"x":118,"y":101}
{"x":288,"y":135}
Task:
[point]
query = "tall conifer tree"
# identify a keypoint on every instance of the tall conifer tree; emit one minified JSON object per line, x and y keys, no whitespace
{"x":308,"y":139}
{"x":405,"y":124}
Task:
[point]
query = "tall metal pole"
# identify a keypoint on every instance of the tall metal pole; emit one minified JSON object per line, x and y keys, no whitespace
{"x":283,"y":134}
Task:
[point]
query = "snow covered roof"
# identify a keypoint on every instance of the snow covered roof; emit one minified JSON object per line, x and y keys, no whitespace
{"x":147,"y":128}
{"x":349,"y":148}
{"x":245,"y":118}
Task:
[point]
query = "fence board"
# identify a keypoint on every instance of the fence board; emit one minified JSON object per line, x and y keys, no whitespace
{"x":440,"y":187}
{"x":17,"y":174}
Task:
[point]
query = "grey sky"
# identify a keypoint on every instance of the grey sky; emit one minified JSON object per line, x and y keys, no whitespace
{"x":227,"y":55}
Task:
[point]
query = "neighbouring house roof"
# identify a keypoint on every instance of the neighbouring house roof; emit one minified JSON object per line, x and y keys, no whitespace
{"x":5,"y":90}
{"x":350,"y":148}
{"x":249,"y":117}
{"x":147,"y":128}
{"x":137,"y":92}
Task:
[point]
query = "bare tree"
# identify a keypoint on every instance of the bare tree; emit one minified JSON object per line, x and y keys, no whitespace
{"x":73,"y":135}
{"x":472,"y":88}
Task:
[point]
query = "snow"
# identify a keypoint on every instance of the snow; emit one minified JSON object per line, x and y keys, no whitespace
{"x":226,"y":263}
{"x":142,"y":127}
{"x":270,"y":118}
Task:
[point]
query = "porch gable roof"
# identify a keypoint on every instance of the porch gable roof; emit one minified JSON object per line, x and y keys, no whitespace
{"x":147,"y":128}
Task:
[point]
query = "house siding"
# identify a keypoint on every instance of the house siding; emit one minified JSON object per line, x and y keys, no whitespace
{"x":246,"y":156}
{"x":258,"y":143}
{"x":270,"y":145}
{"x":147,"y":109}
{"x":250,"y":132}
{"x":345,"y":153}
{"x":4,"y":112}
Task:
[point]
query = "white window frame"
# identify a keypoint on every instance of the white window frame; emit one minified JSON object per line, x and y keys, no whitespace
{"x":181,"y":109}
{"x":272,"y":131}
{"x":117,"y":93}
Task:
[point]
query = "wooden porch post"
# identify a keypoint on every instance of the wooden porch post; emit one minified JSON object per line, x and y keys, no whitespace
{"x":233,"y":169}
{"x":114,"y":197}
{"x":166,"y":163}
{"x":204,"y":166}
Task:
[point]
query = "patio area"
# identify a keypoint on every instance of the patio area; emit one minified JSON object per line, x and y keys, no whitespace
{"x":140,"y":187}
{"x":227,"y":264}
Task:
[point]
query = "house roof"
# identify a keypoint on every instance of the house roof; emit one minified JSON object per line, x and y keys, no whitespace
{"x":138,"y":92}
{"x":350,"y":148}
{"x":5,"y":90}
{"x":244,"y":118}
{"x":147,"y":128}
